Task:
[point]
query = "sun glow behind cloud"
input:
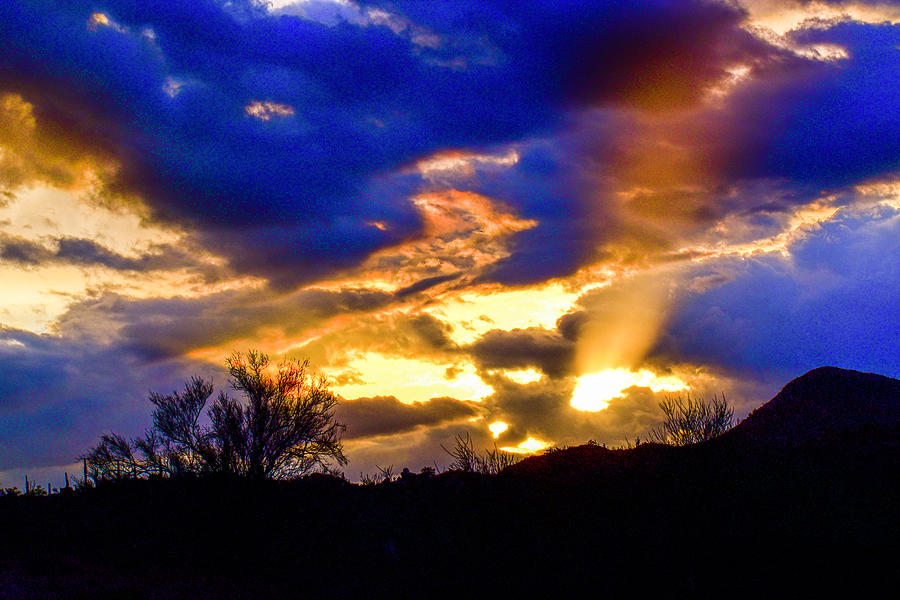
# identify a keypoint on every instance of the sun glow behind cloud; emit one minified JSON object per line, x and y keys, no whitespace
{"x":44,"y":211}
{"x":410,"y":380}
{"x":461,"y":233}
{"x":497,"y":427}
{"x":36,"y":295}
{"x":522,"y":376}
{"x":594,"y":390}
{"x":529,"y":446}
{"x":474,"y":313}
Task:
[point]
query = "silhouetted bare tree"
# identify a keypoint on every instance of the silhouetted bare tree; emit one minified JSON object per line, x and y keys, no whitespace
{"x":691,"y":420}
{"x":114,"y":458}
{"x":284,"y":427}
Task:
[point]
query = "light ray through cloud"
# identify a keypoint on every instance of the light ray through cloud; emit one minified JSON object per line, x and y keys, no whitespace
{"x":593,"y":391}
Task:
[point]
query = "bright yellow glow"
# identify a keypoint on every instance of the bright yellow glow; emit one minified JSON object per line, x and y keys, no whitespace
{"x":523,"y":376}
{"x":886,"y":193}
{"x":42,"y":211}
{"x":529,"y":446}
{"x":498,"y":427}
{"x":266,"y":111}
{"x":624,"y":323}
{"x":594,"y":391}
{"x":98,"y":19}
{"x":410,"y":380}
{"x":34,"y":296}
{"x":472,"y":314}
{"x":455,"y":211}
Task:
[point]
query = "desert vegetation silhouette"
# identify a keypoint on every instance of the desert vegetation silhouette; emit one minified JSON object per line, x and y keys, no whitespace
{"x":802,"y":490}
{"x":467,"y":458}
{"x":283,"y":427}
{"x":689,"y":420}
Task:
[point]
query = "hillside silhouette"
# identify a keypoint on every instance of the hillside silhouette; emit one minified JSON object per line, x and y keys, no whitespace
{"x":824,"y":402}
{"x":800,"y":498}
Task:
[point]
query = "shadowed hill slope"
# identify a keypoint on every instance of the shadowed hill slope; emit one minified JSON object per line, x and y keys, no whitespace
{"x":824,"y":401}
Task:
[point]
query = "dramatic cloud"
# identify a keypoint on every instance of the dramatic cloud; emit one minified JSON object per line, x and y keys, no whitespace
{"x":84,"y":252}
{"x":182,"y":140}
{"x":385,"y":415}
{"x":462,"y":212}
{"x":521,"y":348}
{"x":829,"y":301}
{"x":159,"y":328}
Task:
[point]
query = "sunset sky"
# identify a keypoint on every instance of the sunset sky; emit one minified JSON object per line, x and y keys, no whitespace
{"x":529,"y":221}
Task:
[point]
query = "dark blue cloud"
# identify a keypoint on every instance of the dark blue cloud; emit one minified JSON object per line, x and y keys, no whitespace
{"x":363,"y":103}
{"x":553,"y":184}
{"x":798,"y":130}
{"x":836,"y":124}
{"x":275,"y":195}
{"x":58,"y":394}
{"x":572,"y":84}
{"x":654,"y":54}
{"x":832,"y":302}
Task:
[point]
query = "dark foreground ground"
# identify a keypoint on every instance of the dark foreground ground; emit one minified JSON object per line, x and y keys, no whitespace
{"x":765,"y":509}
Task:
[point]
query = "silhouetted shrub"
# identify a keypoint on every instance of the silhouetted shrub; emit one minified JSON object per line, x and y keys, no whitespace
{"x":386,"y":473}
{"x":466,"y":458}
{"x":691,"y":420}
{"x":366,"y":479}
{"x":285,"y":427}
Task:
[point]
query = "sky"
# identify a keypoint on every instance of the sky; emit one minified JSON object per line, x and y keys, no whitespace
{"x":525,"y":221}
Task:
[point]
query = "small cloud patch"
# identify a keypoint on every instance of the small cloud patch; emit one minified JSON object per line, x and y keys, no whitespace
{"x":266,"y":111}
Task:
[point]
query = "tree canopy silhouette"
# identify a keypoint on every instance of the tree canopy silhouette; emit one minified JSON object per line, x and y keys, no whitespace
{"x":284,"y":426}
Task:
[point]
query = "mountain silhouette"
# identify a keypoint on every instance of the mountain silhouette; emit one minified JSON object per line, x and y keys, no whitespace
{"x":825,"y":405}
{"x":824,"y":402}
